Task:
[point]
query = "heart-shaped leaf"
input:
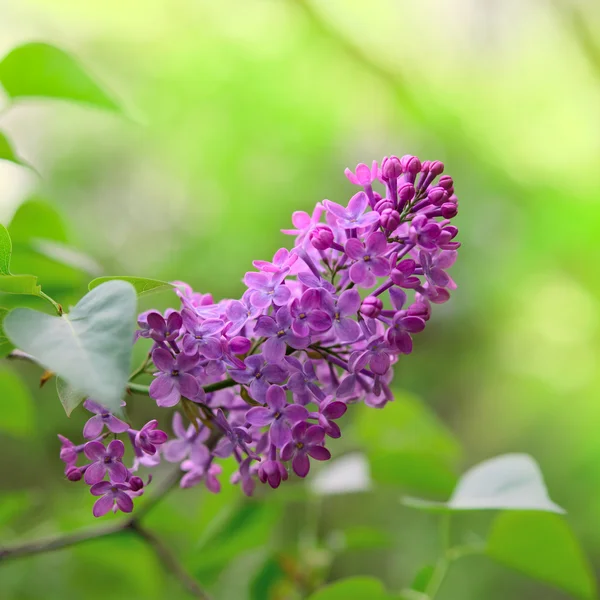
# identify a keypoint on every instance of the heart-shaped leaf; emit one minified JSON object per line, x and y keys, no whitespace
{"x":69,"y":397}
{"x":142,"y":285}
{"x":509,"y":482}
{"x":42,"y":70}
{"x":542,"y":546}
{"x":90,"y":347}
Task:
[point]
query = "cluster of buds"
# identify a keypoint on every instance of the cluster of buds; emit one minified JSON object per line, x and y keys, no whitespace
{"x":264,"y":379}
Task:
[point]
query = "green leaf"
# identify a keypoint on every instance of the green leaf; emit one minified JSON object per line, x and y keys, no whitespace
{"x":422,"y":578}
{"x":90,"y":347}
{"x":509,"y":482}
{"x":5,"y":251}
{"x":542,"y":546}
{"x":16,"y":405}
{"x":6,"y":346}
{"x":19,"y":284}
{"x":267,"y":577}
{"x":357,"y":588}
{"x":69,"y":397}
{"x":66,"y":255}
{"x":37,"y":218}
{"x":7,"y":153}
{"x":360,"y":537}
{"x":42,"y":70}
{"x":142,"y":285}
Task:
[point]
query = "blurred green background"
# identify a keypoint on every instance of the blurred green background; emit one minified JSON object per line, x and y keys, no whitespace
{"x":244,"y":111}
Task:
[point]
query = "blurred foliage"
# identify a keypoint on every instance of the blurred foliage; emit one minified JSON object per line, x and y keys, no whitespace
{"x":244,"y":112}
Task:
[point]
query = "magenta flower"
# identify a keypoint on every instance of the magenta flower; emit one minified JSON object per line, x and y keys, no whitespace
{"x":163,"y":331}
{"x":307,"y":314}
{"x":105,"y":460}
{"x":149,"y":437}
{"x":304,"y":223}
{"x":402,"y":274}
{"x":307,"y":440}
{"x":282,"y":261}
{"x":424,"y":232}
{"x":174,"y":379}
{"x":267,"y":290}
{"x":278,"y":414}
{"x":272,"y":472}
{"x":370,"y":262}
{"x":94,"y":426}
{"x":363,"y":175}
{"x":354,"y":216}
{"x":113,"y":496}
{"x":203,"y":337}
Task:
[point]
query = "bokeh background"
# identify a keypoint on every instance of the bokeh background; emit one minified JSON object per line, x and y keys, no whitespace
{"x":242,"y":111}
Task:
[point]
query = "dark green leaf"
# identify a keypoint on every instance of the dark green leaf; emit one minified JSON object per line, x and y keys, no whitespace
{"x":357,"y":588}
{"x":42,"y":70}
{"x":90,"y":347}
{"x":142,"y":285}
{"x":16,"y":405}
{"x":542,"y":546}
{"x":509,"y":482}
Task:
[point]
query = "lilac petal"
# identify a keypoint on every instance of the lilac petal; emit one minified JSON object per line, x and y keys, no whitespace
{"x":336,"y":209}
{"x":380,"y":266}
{"x":256,"y":281}
{"x":297,"y":342}
{"x":403,"y":342}
{"x":354,"y":248}
{"x":398,"y":297}
{"x":319,"y":321}
{"x":300,"y":219}
{"x":124,"y":502}
{"x":413,"y":324}
{"x":102,"y":506}
{"x":296,"y":383}
{"x":283,"y":318}
{"x":346,"y":330}
{"x":368,"y":219}
{"x":314,"y":435}
{"x":359,"y":360}
{"x":288,"y":451}
{"x":188,"y":385}
{"x":439,"y":277}
{"x":117,"y":471}
{"x":446,"y":259}
{"x":170,"y":399}
{"x":265,"y":326}
{"x":158,"y":437}
{"x":295,"y":413}
{"x":94,"y":473}
{"x":357,"y":205}
{"x":276,"y":398}
{"x":380,"y":363}
{"x":116,"y":425}
{"x":281,"y":295}
{"x":190,"y":320}
{"x":240,"y":376}
{"x":294,"y":362}
{"x":94,"y":450}
{"x":258,"y":389}
{"x":300,"y":327}
{"x":156,"y":322}
{"x":163,"y":360}
{"x":93,"y":407}
{"x":360,"y":274}
{"x":99,"y":489}
{"x":200,"y":454}
{"x":260,"y":299}
{"x":280,"y":433}
{"x":211,"y":348}
{"x":259,"y":416}
{"x":301,"y":465}
{"x":175,"y":450}
{"x":224,"y":448}
{"x":185,"y":362}
{"x":236,"y":310}
{"x":319,"y":453}
{"x":346,"y":387}
{"x":93,"y":427}
{"x":274,"y":350}
{"x":212,"y":326}
{"x":334,"y":410}
{"x":115,"y":449}
{"x":161,"y":386}
{"x":174,"y":322}
{"x":376,"y":243}
{"x":348,"y":302}
{"x":275,"y":373}
{"x":177,"y":426}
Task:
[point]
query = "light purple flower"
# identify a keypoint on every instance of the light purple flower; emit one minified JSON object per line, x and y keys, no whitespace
{"x":307,"y":314}
{"x":346,"y":329}
{"x":267,"y":290}
{"x":163,"y":331}
{"x":234,"y":437}
{"x":188,"y":443}
{"x":280,"y":333}
{"x":424,"y":232}
{"x":94,"y":426}
{"x":307,"y":441}
{"x":377,"y":355}
{"x":149,"y":437}
{"x":239,"y":312}
{"x":202,"y":336}
{"x":370,"y":262}
{"x":174,"y":379}
{"x":304,"y":223}
{"x":354,"y":216}
{"x":402,"y":274}
{"x":113,"y":496}
{"x":196,"y":473}
{"x":258,"y":375}
{"x":363,"y":175}
{"x":282,"y":261}
{"x":278,"y":414}
{"x":330,"y":410}
{"x":272,"y":472}
{"x":303,"y":381}
{"x":105,"y":460}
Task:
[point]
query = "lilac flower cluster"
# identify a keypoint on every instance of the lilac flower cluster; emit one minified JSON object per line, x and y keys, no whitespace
{"x":265,"y":379}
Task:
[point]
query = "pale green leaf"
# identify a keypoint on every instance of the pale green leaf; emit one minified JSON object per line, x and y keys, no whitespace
{"x":6,"y":347}
{"x":542,"y":546}
{"x":16,"y":405}
{"x":66,"y":255}
{"x":7,"y":153}
{"x":90,"y":347}
{"x":37,"y":218}
{"x":41,"y":70}
{"x":69,"y":397}
{"x":509,"y":482}
{"x":19,"y":284}
{"x":5,"y":251}
{"x":357,"y":588}
{"x":142,"y":285}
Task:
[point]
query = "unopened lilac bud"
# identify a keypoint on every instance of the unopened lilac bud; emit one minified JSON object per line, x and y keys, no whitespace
{"x":240,"y":345}
{"x":436,"y":167}
{"x":437,"y":195}
{"x":68,"y":454}
{"x":420,"y":309}
{"x":384,"y":204}
{"x":410,"y":164}
{"x":406,"y":192}
{"x":73,"y":474}
{"x":371,"y":307}
{"x":321,"y":237}
{"x":136,"y":483}
{"x":449,"y":210}
{"x":391,"y":168}
{"x":390,"y":219}
{"x":446,"y":182}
